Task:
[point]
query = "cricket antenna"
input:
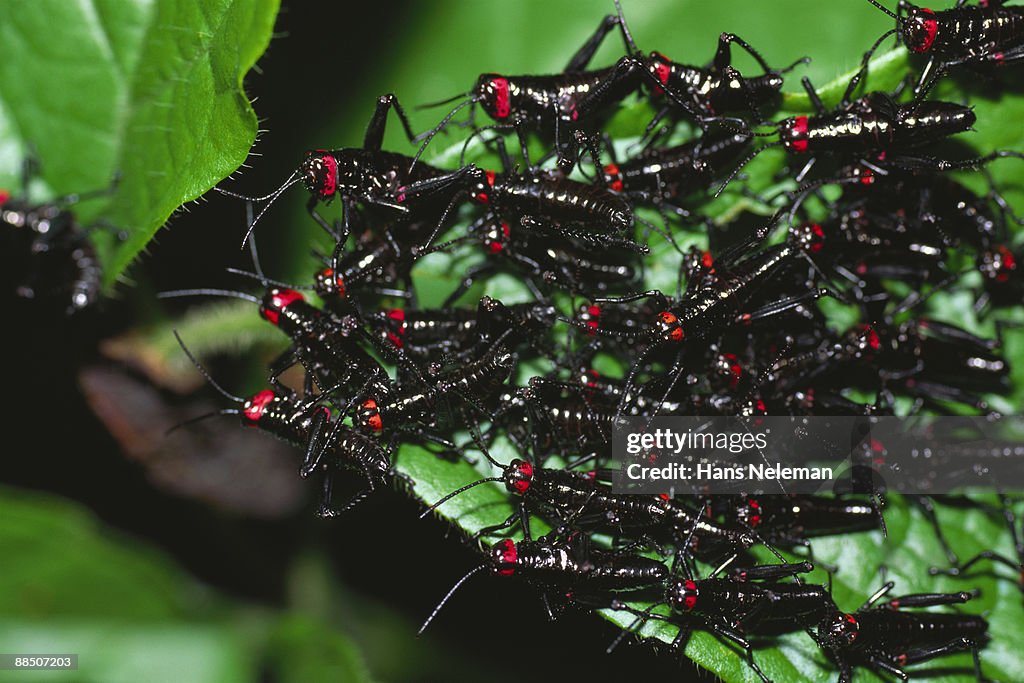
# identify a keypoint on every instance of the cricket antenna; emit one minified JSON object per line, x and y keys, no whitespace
{"x":448,"y":595}
{"x":640,"y":618}
{"x":884,"y":9}
{"x":246,"y":197}
{"x":267,"y":281}
{"x":224,"y":392}
{"x":457,"y":492}
{"x":427,"y":137}
{"x":441,"y":103}
{"x":740,"y":167}
{"x":200,"y":418}
{"x":293,"y":179}
{"x":173,"y":294}
{"x":253,"y":251}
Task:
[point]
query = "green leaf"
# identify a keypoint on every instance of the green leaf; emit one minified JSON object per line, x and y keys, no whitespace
{"x":65,"y":567}
{"x":116,"y":651}
{"x":303,"y":649}
{"x":69,"y":587}
{"x":149,"y":90}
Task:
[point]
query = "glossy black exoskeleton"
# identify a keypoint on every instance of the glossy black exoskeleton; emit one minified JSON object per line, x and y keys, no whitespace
{"x":571,"y":568}
{"x":329,"y":446}
{"x":390,"y":183}
{"x":750,"y":601}
{"x":574,"y":101}
{"x":887,"y":638}
{"x":988,"y":33}
{"x":56,"y":259}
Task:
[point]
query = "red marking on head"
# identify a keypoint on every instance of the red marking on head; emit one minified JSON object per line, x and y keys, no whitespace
{"x":591,"y":475}
{"x":663,"y":496}
{"x":819,"y":233}
{"x":852,"y":620}
{"x":4,"y":196}
{"x":336,"y":281}
{"x":497,"y":245}
{"x":395,"y":335}
{"x":867,"y":176}
{"x":669,"y":320}
{"x":613,"y":176}
{"x":798,"y":128}
{"x":873,"y":340}
{"x":931,"y":28}
{"x":255,"y":407}
{"x":373,"y":419}
{"x":483,"y":196}
{"x":331,"y":179}
{"x":734,"y":367}
{"x":753,"y":512}
{"x":508,"y":554}
{"x":502,"y":105}
{"x":689,"y":595}
{"x":277,"y":300}
{"x":662,"y":69}
{"x":999,"y":58}
{"x":520,"y":476}
{"x":707,"y":260}
{"x":876,"y":446}
{"x":1009,"y":263}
